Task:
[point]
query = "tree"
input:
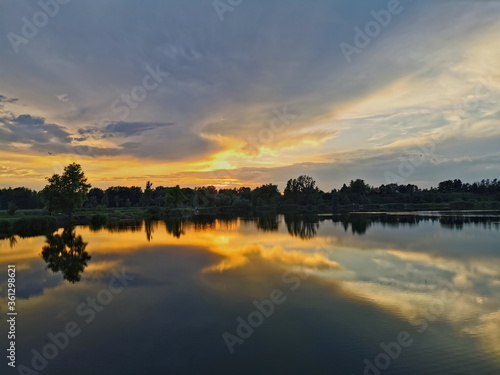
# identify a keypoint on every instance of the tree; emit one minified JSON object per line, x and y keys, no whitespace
{"x":95,"y":196}
{"x":174,"y":197}
{"x":266,"y":195}
{"x":445,"y":186}
{"x":226,"y":197}
{"x":302,"y":190}
{"x":147,"y":197}
{"x":66,"y":253}
{"x":359,"y":187}
{"x":11,"y":208}
{"x":358,"y":191}
{"x":105,"y":201}
{"x":66,"y":192}
{"x":118,"y":195}
{"x":204,"y":196}
{"x":23,"y":198}
{"x":93,"y":201}
{"x":244,"y":192}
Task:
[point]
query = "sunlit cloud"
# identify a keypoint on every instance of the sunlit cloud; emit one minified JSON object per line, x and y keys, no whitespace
{"x":215,"y":105}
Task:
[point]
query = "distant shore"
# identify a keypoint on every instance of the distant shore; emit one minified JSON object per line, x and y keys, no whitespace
{"x":27,"y":223}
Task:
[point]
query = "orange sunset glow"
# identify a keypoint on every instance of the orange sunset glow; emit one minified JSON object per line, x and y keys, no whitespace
{"x":179,"y":112}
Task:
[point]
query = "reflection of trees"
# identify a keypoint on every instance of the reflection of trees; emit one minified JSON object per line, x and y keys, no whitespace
{"x":305,"y":227}
{"x":11,"y":237}
{"x":359,"y":223}
{"x":176,"y":227}
{"x":12,"y":241}
{"x":127,"y":225}
{"x":149,"y":227}
{"x":451,"y":222}
{"x":66,"y":253}
{"x":268,"y":223}
{"x":227,"y":222}
{"x":203,"y":222}
{"x":458,"y":221}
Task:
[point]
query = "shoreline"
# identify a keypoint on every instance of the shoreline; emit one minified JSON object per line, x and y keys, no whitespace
{"x":28,"y":223}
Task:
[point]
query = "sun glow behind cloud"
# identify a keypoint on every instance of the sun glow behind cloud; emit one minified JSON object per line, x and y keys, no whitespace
{"x":213,"y":119}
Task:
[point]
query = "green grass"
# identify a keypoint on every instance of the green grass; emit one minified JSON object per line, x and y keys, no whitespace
{"x":28,"y":226}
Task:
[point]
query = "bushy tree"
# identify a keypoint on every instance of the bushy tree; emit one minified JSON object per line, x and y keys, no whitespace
{"x":118,"y":195}
{"x":174,"y":197}
{"x":302,"y":190}
{"x":147,"y":197}
{"x":266,"y":195}
{"x":22,"y":197}
{"x":11,"y":208}
{"x":66,"y":192}
{"x":204,"y":196}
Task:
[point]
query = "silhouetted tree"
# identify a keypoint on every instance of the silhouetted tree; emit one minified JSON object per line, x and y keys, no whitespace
{"x":205,"y":196}
{"x":66,"y":253}
{"x":266,"y":195}
{"x":147,"y":196}
{"x":22,"y":197}
{"x":11,"y":208}
{"x":174,"y":197}
{"x":68,"y":191}
{"x":301,"y":190}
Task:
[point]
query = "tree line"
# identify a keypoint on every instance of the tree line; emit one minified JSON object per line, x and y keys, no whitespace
{"x":70,"y":190}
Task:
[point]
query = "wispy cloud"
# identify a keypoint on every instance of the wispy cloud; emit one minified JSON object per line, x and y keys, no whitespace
{"x":225,"y":78}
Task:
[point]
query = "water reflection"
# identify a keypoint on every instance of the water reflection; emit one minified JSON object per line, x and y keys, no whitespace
{"x":373,"y":277}
{"x":359,"y":223}
{"x":12,"y":240}
{"x":302,"y":226}
{"x":130,"y":225}
{"x":175,"y":227}
{"x":306,"y":226}
{"x":149,"y":227}
{"x":66,"y":253}
{"x":268,"y":223}
{"x":203,"y":222}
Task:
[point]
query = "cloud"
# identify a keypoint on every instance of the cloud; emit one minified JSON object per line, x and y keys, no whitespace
{"x":4,"y":99}
{"x":134,"y":128}
{"x":121,"y":128}
{"x":15,"y":172}
{"x":31,"y":134}
{"x":277,"y":256}
{"x":30,"y":129}
{"x":226,"y":79}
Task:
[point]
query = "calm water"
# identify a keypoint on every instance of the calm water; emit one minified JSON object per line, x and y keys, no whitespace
{"x":373,"y":294}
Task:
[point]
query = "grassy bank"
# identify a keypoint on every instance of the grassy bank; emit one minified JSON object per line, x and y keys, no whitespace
{"x":26,"y":223}
{"x":28,"y":226}
{"x":38,"y":222}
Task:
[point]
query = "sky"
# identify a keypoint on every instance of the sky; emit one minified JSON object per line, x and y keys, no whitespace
{"x":240,"y":93}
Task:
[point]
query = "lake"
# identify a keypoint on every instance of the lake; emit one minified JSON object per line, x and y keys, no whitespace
{"x":401,"y":293}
